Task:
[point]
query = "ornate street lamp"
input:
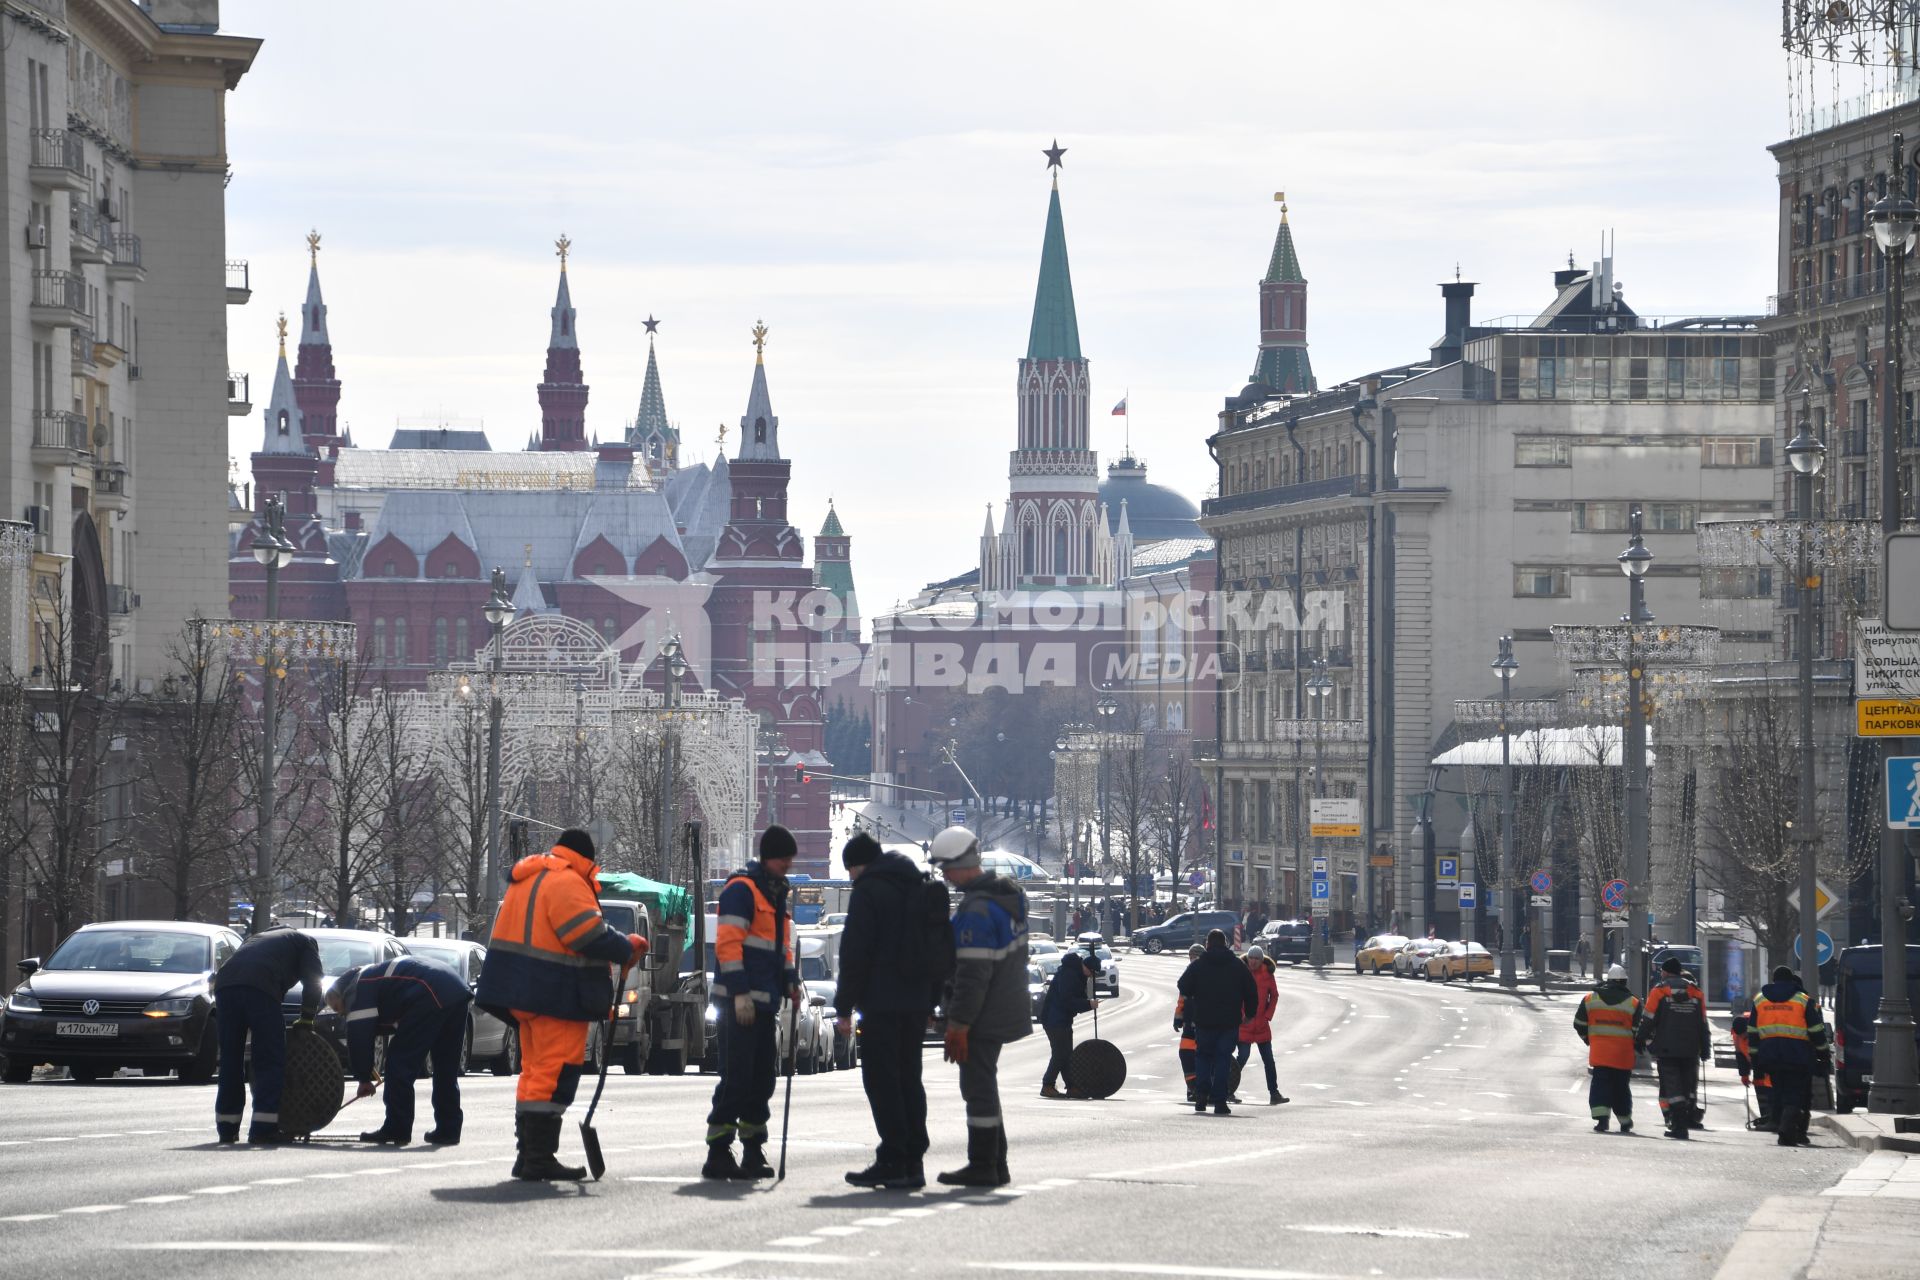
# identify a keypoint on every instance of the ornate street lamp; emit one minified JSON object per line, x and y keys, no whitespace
{"x":1319,"y":689}
{"x":273,"y":553}
{"x":498,"y":609}
{"x":1638,"y":836}
{"x":1807,"y":455}
{"x":1506,"y":666}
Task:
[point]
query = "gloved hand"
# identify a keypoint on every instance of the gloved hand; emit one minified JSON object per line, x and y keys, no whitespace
{"x":1744,"y":1080}
{"x":743,"y":1009}
{"x":365,"y":1090}
{"x":956,"y":1044}
{"x":639,"y":945}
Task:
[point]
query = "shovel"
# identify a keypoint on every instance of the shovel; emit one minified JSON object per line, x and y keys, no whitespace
{"x":786,"y":1110}
{"x":597,"y":1163}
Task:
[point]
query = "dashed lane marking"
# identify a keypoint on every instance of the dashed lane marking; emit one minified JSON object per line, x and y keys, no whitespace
{"x":275,"y":1182}
{"x":876,"y":1222}
{"x":159,"y":1200}
{"x":836,"y":1231}
{"x":1150,"y":1269}
{"x":794,"y":1242}
{"x":698,"y":1261}
{"x":1261,"y":1154}
{"x":218,"y":1191}
{"x":94,"y":1208}
{"x":27,"y":1217}
{"x":1388,"y":1233}
{"x":260,"y":1246}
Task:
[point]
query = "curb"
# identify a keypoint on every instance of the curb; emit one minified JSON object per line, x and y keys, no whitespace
{"x":1866,"y":1135}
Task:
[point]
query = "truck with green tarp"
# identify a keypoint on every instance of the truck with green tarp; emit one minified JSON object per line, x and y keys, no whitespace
{"x":660,"y":1022}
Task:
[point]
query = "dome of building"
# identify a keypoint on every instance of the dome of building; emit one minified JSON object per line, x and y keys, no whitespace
{"x":1154,"y":512}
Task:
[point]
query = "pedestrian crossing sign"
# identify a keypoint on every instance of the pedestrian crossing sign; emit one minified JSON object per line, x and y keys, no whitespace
{"x":1903,"y":793}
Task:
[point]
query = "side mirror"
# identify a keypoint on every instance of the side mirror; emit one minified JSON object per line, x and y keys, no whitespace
{"x":818,"y":1002}
{"x":29,"y":966}
{"x":654,"y":961}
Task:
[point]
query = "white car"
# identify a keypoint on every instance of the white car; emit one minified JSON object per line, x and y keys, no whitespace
{"x":1411,"y":959}
{"x":1046,"y":953}
{"x":1095,"y":945}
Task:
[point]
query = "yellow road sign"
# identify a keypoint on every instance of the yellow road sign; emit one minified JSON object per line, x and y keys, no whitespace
{"x":1333,"y":829}
{"x":1380,"y":860}
{"x":1823,"y":899}
{"x":1887,"y":717}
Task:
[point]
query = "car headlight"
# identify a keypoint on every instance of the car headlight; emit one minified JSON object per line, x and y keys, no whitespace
{"x":23,"y":1001}
{"x":713,"y":1014}
{"x":178,"y":1006}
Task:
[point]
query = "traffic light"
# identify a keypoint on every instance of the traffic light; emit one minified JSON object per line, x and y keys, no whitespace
{"x":800,"y":775}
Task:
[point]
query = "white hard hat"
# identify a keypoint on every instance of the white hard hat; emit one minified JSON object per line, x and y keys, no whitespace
{"x":954,"y":847}
{"x":1616,"y":973}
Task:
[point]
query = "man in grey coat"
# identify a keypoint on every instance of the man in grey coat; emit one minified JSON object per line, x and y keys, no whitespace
{"x":986,"y":1002}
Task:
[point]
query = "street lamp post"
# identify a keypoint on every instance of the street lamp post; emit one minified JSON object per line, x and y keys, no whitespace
{"x":1507,"y":667}
{"x":1896,"y":1074}
{"x":1107,"y":707}
{"x":498,"y":608}
{"x":1634,"y":563}
{"x":1807,"y":455}
{"x":273,"y":552}
{"x":675,"y":666}
{"x":1319,"y":688}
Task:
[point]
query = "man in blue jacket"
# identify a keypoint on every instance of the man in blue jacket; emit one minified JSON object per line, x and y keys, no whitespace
{"x":1067,"y":997}
{"x":424,"y":1004}
{"x":247,"y":994}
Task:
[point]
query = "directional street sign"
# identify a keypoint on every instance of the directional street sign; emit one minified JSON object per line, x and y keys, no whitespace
{"x":1446,"y":872}
{"x":1613,"y":920}
{"x":1541,"y":882}
{"x":1333,"y":816}
{"x":1467,"y":897}
{"x":957,"y":818}
{"x":1886,"y":680}
{"x":1822,"y":942}
{"x":1614,"y":894}
{"x":1823,"y":899}
{"x":1903,"y":793}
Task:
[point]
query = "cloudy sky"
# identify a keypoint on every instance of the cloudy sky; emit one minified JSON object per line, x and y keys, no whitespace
{"x":867,"y":178}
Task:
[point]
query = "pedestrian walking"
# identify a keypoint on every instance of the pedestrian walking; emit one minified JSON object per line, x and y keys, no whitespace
{"x":753,"y":945}
{"x":1582,"y":954}
{"x":424,"y":1004}
{"x":1608,"y":1022}
{"x":247,"y":994}
{"x":1067,"y":997}
{"x":986,"y":1002}
{"x":1674,"y":1032}
{"x":549,"y":969}
{"x":1183,"y":1026}
{"x":1789,"y":1039}
{"x":1765,"y":1118}
{"x":1258,"y":1030}
{"x":1220,"y":995}
{"x":890,"y":971}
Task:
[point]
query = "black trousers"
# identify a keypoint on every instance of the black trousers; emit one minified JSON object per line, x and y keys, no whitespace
{"x":1679,"y":1089}
{"x":1060,"y":1042}
{"x":748,"y":1067}
{"x":1792,"y":1090}
{"x":1266,"y":1058}
{"x":891,"y":1049}
{"x":1609,"y":1089}
{"x":443,"y":1033}
{"x":243,"y":1011}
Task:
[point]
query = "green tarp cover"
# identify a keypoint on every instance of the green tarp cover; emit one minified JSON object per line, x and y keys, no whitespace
{"x":667,"y":901}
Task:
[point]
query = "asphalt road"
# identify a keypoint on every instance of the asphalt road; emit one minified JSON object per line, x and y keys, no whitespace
{"x":1433,"y":1132}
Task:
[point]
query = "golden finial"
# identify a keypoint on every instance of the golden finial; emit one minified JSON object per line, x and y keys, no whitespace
{"x":281,"y":324}
{"x":562,"y":247}
{"x":313,"y":247}
{"x":1281,"y":197}
{"x":759,"y":341}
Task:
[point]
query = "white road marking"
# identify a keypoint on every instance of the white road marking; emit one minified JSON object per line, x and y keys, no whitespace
{"x":159,"y":1199}
{"x":1150,"y":1269}
{"x":795,"y":1242}
{"x":94,"y":1208}
{"x":649,"y":1177}
{"x":56,"y":1139}
{"x":218,"y":1191}
{"x":876,"y":1222}
{"x":836,"y":1231}
{"x":914,"y":1213}
{"x":27,"y":1217}
{"x":261,"y":1246}
{"x":1390,"y":1233}
{"x":1197,"y":1164}
{"x":695,"y":1262}
{"x":103,"y":1135}
{"x":275,"y":1182}
{"x":326,"y":1176}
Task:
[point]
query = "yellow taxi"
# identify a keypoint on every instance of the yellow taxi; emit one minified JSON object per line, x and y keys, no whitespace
{"x":1459,"y":959}
{"x":1375,"y":955}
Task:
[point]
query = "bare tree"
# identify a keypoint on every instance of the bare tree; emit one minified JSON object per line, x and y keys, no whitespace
{"x":1175,"y":809}
{"x":458,"y":813}
{"x":339,"y":837}
{"x":410,"y":857}
{"x":1598,"y":804}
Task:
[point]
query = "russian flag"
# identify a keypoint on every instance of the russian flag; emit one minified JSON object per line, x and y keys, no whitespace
{"x":1120,"y":410}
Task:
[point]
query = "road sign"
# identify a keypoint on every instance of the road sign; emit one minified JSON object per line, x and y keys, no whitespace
{"x":1380,"y":860}
{"x":1320,"y":866}
{"x":1541,"y":882}
{"x":1467,"y":892}
{"x":1903,"y":793}
{"x":1613,"y":920}
{"x":1334,"y":816}
{"x":1446,"y":872}
{"x":1822,"y":943}
{"x":1322,"y":888}
{"x":1614,"y":894}
{"x":957,"y":818}
{"x":1886,"y":718}
{"x":1902,"y":576}
{"x":1542,"y":900}
{"x":1886,"y":663}
{"x":1823,"y":898}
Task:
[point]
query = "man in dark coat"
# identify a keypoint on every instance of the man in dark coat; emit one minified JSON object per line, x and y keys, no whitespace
{"x":1789,"y":1040}
{"x":885,"y":975}
{"x":424,"y":1004}
{"x":1220,"y":995}
{"x":247,"y":995}
{"x":1067,"y":997}
{"x":1675,"y":1034}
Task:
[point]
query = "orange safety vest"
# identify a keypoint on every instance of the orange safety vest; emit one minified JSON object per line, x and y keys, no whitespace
{"x":754,"y":948}
{"x":1776,"y":1021}
{"x":550,"y":948}
{"x":1610,"y":1031}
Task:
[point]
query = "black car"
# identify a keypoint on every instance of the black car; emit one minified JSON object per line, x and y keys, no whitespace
{"x":1856,"y":1003}
{"x":1289,"y":940}
{"x":129,"y":993}
{"x":1182,"y":931}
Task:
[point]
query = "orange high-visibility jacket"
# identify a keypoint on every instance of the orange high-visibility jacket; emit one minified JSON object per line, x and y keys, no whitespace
{"x":753,"y":940}
{"x":550,"y":951}
{"x":1608,"y":1020}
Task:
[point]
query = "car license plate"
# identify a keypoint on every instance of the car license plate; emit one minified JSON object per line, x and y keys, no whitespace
{"x":107,"y":1029}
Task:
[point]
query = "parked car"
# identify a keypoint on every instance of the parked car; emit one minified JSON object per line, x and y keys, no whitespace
{"x":1183,"y":930}
{"x":130,"y":993}
{"x":1411,"y":958}
{"x":341,"y":950}
{"x":1093,"y":947}
{"x":817,"y":975}
{"x":490,"y":1043}
{"x":1046,"y":953}
{"x":1377,"y":952}
{"x":1856,"y":1003}
{"x":1458,"y":960}
{"x":1289,"y":940}
{"x":1037,"y":984}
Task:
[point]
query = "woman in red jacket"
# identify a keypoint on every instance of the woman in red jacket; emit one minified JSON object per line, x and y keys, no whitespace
{"x":1258,"y":1030}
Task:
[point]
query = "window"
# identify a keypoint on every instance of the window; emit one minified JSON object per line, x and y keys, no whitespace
{"x":1600,"y":517}
{"x":439,"y":642}
{"x":1542,"y":451}
{"x":1676,"y":378}
{"x":453,"y":570}
{"x":380,"y":640}
{"x":1549,"y":377}
{"x":400,"y":642}
{"x":1539,"y":580}
{"x":1735,"y":451}
{"x":1603,"y":379}
{"x":389,"y":570}
{"x":1746,"y":582}
{"x":759,"y":430}
{"x":1669,"y":517}
{"x":1729,"y":379}
{"x":460,"y":647}
{"x":606,"y":629}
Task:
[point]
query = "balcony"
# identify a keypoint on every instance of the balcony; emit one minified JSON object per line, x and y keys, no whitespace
{"x":239,"y":283}
{"x":125,"y":265}
{"x":110,"y":487}
{"x":58,"y":161}
{"x":90,"y":237}
{"x":1281,"y":495}
{"x":58,"y":438}
{"x":239,"y":395}
{"x":83,"y":359}
{"x":59,"y":299}
{"x":120,"y":600}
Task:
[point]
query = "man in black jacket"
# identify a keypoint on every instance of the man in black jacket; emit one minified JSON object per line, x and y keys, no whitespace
{"x":1219,"y":996}
{"x":884,"y":974}
{"x":247,"y":993}
{"x":1676,"y":1035}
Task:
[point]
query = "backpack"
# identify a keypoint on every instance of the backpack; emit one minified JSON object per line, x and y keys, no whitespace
{"x":932,"y":930}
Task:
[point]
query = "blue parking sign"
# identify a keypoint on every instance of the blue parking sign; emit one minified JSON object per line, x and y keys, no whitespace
{"x":1322,"y":889}
{"x":1903,"y":793}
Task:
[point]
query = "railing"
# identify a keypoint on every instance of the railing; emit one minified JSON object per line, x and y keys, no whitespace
{"x":120,"y":599}
{"x":85,"y":220}
{"x":1808,"y":297}
{"x":83,"y":347}
{"x":58,"y":149}
{"x":54,"y":429}
{"x":237,"y":389}
{"x":1327,"y":730}
{"x":63,"y":289}
{"x":126,"y":248}
{"x":1312,"y":490}
{"x":110,"y":479}
{"x":237,"y":275}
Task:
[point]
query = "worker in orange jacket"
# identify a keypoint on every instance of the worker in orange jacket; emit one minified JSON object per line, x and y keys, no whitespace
{"x":549,"y":969}
{"x":1608,"y":1020}
{"x":1189,"y":1047}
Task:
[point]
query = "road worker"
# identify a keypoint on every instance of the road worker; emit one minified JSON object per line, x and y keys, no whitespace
{"x":1674,"y":1031}
{"x":1743,"y":1059}
{"x":753,"y":946}
{"x":1789,"y":1040}
{"x":548,"y":968}
{"x":1608,"y":1020}
{"x":248,"y":991}
{"x":1189,"y":1047}
{"x":424,"y":1004}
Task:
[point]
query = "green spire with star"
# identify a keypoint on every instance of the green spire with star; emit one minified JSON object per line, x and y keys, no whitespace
{"x":1284,"y":266}
{"x":1056,"y":328}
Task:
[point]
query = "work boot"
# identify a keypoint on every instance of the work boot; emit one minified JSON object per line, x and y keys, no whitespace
{"x":871,"y":1176}
{"x":267,"y":1136}
{"x":539,"y":1140}
{"x":1677,"y":1131}
{"x":444,"y":1136}
{"x":753,"y":1162}
{"x":383,"y":1136}
{"x":1000,"y":1158}
{"x":520,"y":1145}
{"x":1221,"y":1109}
{"x":983,"y":1162}
{"x":1600,"y":1125}
{"x":1199,"y":1104}
{"x":1789,"y":1118}
{"x":905,"y":1177}
{"x":226,"y":1134}
{"x":720,"y":1165}
{"x":1275,"y":1098}
{"x":1048,"y":1091}
{"x":1626,"y":1124}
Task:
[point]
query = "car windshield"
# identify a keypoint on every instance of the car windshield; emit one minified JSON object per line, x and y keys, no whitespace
{"x":337,"y":955}
{"x":448,"y":956}
{"x":134,"y":951}
{"x":1043,"y":948}
{"x":620,"y":915}
{"x":813,"y":961}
